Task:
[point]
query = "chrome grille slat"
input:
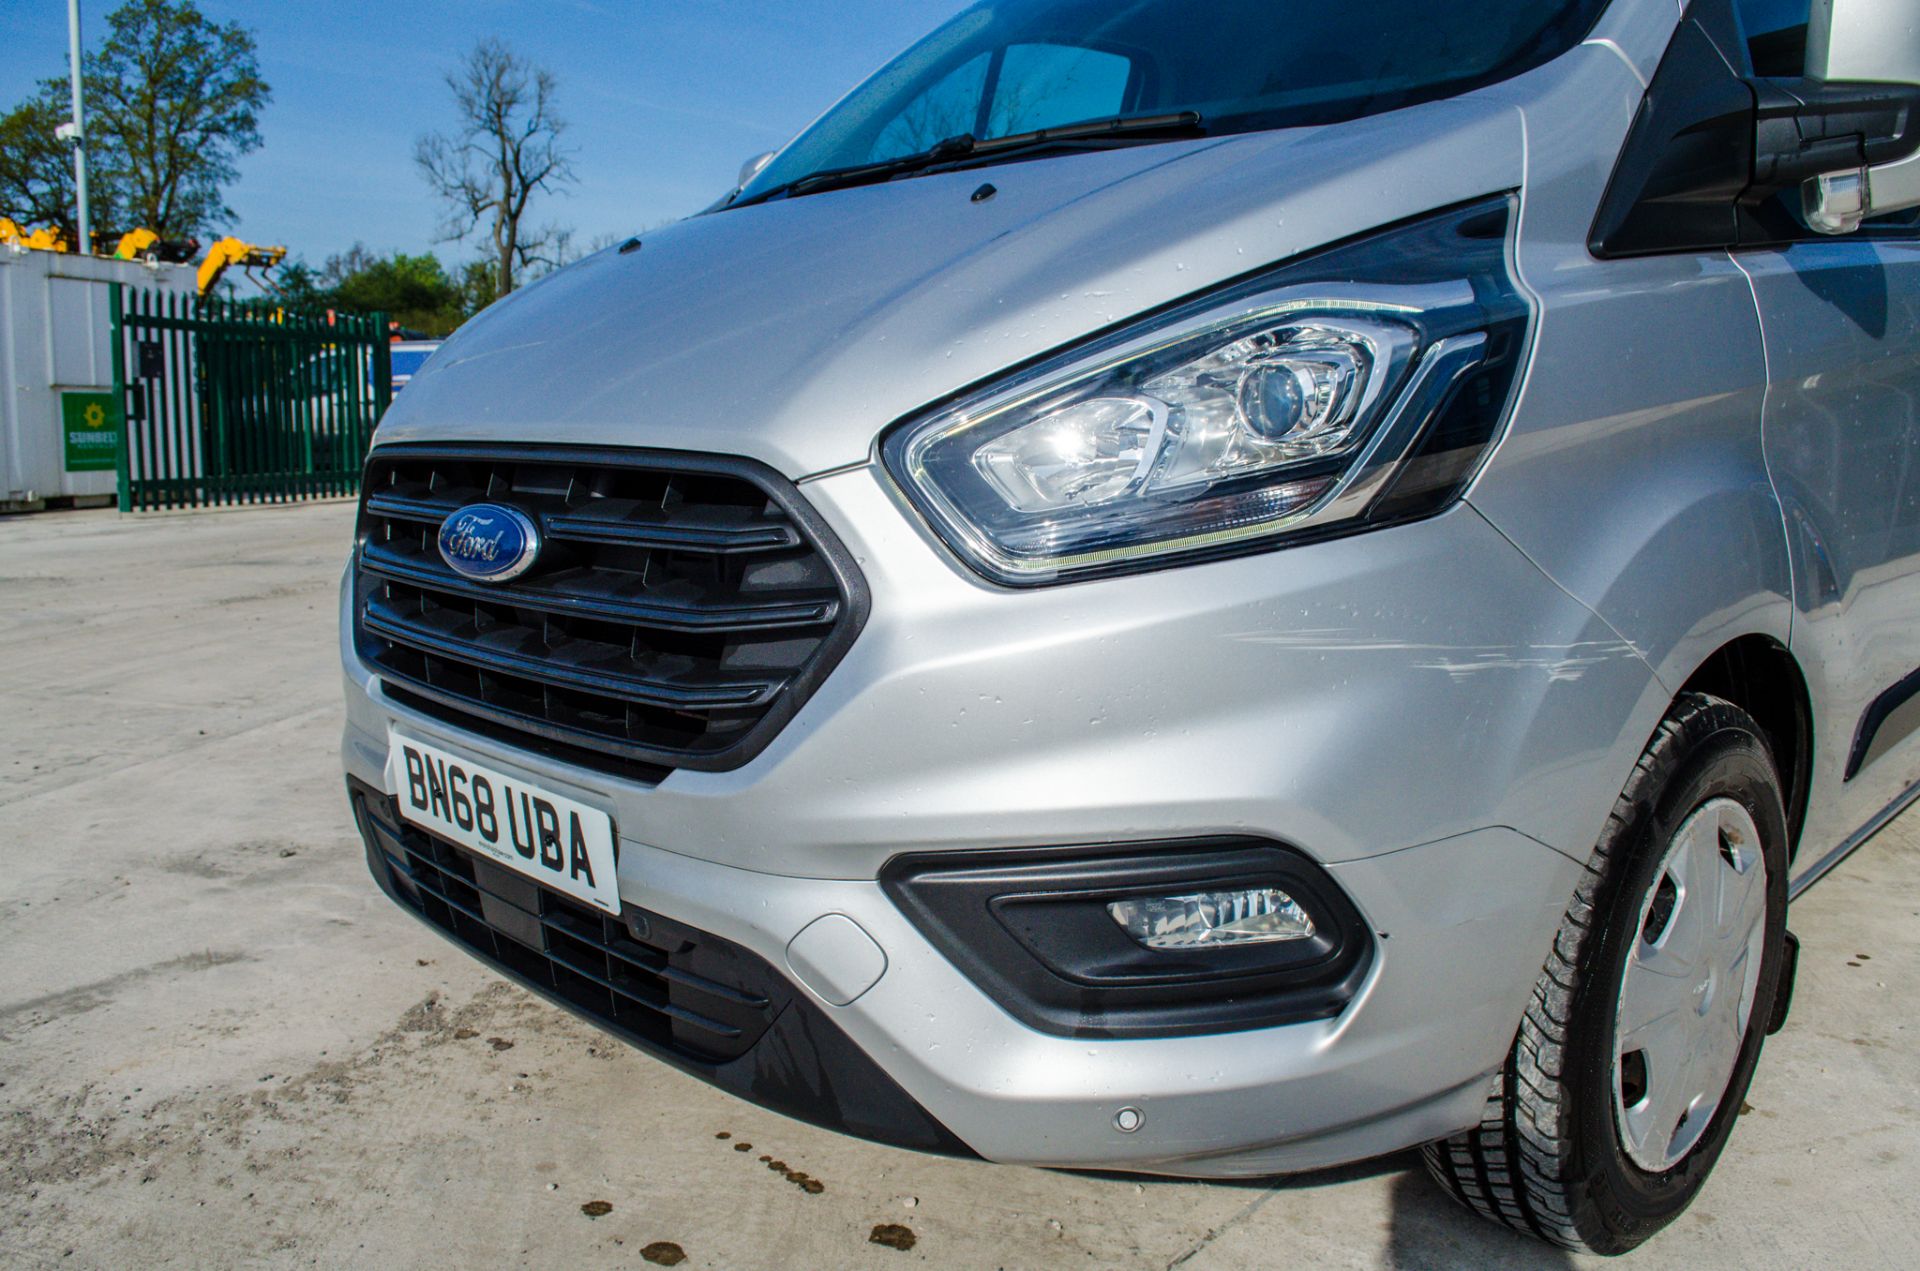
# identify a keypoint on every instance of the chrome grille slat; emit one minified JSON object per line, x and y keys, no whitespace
{"x":691,"y":615}
{"x":712,"y":536}
{"x":397,"y":507}
{"x":627,"y":524}
{"x":568,"y":671}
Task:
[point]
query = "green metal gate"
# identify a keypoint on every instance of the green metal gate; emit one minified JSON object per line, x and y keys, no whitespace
{"x":228,"y":402}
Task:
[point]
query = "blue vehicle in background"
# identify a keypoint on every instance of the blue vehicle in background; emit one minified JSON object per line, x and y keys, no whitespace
{"x":408,"y":356}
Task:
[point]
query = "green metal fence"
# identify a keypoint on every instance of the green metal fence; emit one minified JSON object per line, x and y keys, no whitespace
{"x":231,"y":403}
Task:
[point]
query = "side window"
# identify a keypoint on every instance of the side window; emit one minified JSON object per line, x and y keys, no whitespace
{"x":1776,"y":32}
{"x":948,"y":109}
{"x":1044,"y":85}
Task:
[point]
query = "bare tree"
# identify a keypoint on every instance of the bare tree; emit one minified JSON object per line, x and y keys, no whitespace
{"x":506,"y":150}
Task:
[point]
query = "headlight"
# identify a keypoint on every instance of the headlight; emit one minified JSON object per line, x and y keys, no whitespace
{"x":1358,"y":387}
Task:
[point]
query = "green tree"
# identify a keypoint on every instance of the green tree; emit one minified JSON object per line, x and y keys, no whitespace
{"x":174,"y":100}
{"x":36,"y":168}
{"x":479,"y":284}
{"x":414,"y":291}
{"x":296,"y":287}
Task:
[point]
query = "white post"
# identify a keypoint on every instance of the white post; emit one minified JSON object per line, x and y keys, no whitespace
{"x":83,"y":222}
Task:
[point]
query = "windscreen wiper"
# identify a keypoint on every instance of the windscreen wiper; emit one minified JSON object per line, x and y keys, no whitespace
{"x":1185,"y":123}
{"x":963,"y":151}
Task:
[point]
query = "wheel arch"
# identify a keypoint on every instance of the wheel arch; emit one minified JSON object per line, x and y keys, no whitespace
{"x":1762,"y":677}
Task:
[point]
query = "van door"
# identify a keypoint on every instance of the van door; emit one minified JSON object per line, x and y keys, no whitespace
{"x":1840,"y":318}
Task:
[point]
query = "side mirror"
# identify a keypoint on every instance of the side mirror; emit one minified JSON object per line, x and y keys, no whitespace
{"x":1852,"y":46}
{"x":753,"y":168}
{"x":1827,"y":137}
{"x":748,"y":171}
{"x":1711,"y":149}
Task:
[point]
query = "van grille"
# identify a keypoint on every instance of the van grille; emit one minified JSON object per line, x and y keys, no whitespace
{"x":682,"y":608}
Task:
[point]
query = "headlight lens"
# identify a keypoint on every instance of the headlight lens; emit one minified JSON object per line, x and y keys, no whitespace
{"x":1084,"y":454}
{"x":1261,"y":401}
{"x":1284,"y":406}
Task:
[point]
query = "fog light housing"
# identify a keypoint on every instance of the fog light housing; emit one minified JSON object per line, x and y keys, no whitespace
{"x":1213,"y":920}
{"x":1044,"y":933}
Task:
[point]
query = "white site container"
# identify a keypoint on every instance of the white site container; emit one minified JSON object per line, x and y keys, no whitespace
{"x":54,"y":340}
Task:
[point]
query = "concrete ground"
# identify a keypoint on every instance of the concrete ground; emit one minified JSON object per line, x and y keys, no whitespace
{"x":220,"y":1045}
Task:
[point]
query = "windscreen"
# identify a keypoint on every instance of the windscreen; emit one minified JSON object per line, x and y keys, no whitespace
{"x":1009,"y":67}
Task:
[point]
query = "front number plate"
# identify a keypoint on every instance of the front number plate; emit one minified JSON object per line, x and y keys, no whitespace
{"x":554,"y":840}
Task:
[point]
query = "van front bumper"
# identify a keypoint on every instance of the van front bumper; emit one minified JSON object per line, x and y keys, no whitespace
{"x":921,"y":1059}
{"x":1418,"y":711}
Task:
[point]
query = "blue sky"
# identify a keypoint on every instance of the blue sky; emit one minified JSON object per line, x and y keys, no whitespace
{"x":664,"y":100}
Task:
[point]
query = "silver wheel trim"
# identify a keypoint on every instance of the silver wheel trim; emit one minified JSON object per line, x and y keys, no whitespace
{"x":1686,"y":999}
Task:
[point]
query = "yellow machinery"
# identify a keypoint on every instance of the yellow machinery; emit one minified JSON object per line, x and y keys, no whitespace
{"x":50,"y":239}
{"x":229,"y":252}
{"x":144,"y":244}
{"x":136,"y":244}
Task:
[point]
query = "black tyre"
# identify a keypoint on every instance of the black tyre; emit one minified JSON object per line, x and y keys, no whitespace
{"x":1640,"y":1041}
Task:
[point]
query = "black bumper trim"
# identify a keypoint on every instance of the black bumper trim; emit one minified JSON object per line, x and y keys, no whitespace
{"x":799,"y":1063}
{"x":1030,"y":928}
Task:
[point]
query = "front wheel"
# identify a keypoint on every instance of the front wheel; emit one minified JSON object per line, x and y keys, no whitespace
{"x":1642,"y":1035}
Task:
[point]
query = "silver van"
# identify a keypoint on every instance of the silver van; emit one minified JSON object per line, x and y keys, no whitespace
{"x":1209,"y":587}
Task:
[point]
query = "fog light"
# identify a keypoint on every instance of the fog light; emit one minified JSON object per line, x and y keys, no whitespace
{"x":1213,"y":920}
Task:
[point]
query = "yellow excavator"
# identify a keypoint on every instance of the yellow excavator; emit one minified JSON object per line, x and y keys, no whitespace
{"x":50,"y":239}
{"x":144,"y":244}
{"x":229,"y":252}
